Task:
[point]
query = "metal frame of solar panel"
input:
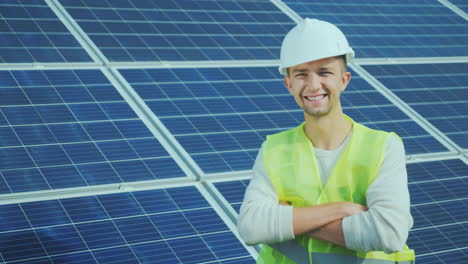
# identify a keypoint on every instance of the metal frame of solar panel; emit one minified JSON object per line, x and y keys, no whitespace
{"x":129,"y":127}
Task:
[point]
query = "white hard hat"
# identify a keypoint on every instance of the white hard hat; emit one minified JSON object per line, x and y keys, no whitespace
{"x":311,"y":40}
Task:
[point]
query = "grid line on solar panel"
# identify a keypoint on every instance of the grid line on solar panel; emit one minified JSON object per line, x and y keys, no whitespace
{"x":397,"y":29}
{"x":33,"y":33}
{"x":177,"y":31}
{"x":58,"y":132}
{"x":422,"y":86}
{"x":131,"y":222}
{"x":215,"y":113}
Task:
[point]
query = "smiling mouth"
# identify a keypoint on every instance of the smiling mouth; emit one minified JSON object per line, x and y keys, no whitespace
{"x":315,"y":98}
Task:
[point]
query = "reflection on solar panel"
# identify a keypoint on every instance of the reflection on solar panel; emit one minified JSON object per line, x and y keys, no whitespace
{"x":439,"y":207}
{"x":69,"y":128}
{"x":31,"y":32}
{"x":397,"y":28}
{"x":175,"y":225}
{"x":438,"y":92}
{"x":138,"y":30}
{"x":222,"y":115}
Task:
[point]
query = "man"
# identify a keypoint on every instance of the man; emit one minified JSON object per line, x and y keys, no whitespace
{"x":330,"y":190}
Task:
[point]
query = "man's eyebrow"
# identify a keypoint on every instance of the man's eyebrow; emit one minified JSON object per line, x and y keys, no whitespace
{"x":324,"y":68}
{"x":300,"y":70}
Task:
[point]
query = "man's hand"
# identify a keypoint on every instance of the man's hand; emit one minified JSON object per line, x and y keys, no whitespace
{"x":353,"y":208}
{"x":333,"y":232}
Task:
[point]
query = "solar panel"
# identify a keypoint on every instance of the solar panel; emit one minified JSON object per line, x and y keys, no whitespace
{"x":70,"y":128}
{"x":181,"y":227}
{"x":31,"y":32}
{"x":438,"y":92}
{"x":138,"y":30}
{"x":388,"y":29}
{"x":222,"y":115}
{"x":439,"y":207}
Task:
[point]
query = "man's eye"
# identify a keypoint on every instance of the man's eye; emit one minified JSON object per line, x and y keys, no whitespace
{"x":300,"y":74}
{"x":325,"y":73}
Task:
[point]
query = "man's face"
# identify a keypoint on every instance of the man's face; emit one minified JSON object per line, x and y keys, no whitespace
{"x":317,"y":85}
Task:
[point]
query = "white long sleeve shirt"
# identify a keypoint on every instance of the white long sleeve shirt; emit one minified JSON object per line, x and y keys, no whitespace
{"x":384,"y":227}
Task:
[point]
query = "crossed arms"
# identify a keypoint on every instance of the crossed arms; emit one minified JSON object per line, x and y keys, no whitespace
{"x":324,"y":221}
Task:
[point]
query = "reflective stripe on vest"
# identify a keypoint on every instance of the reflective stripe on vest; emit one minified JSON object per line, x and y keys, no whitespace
{"x":300,"y":255}
{"x":290,"y":163}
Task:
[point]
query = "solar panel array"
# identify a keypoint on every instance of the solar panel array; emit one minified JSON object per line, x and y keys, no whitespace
{"x":111,"y":112}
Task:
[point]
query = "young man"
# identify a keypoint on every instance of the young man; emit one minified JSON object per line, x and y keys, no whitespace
{"x":330,"y":190}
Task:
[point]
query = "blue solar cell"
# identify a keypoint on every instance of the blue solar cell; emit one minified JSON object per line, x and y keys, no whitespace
{"x":26,"y":246}
{"x":116,"y":255}
{"x":81,"y":153}
{"x":77,"y":258}
{"x":148,"y":252}
{"x":438,"y":239}
{"x":137,"y":229}
{"x":13,"y":218}
{"x":55,"y":113}
{"x":134,"y":170}
{"x":107,"y":236}
{"x":443,"y":190}
{"x":56,"y":179}
{"x":439,"y":213}
{"x":84,"y":209}
{"x":100,"y":173}
{"x":45,"y":213}
{"x":436,"y":170}
{"x":24,"y":180}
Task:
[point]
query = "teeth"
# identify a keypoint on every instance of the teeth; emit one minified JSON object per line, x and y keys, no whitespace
{"x":315,"y":98}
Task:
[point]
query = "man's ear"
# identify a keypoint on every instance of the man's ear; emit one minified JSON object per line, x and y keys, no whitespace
{"x":345,"y":78}
{"x":287,"y":83}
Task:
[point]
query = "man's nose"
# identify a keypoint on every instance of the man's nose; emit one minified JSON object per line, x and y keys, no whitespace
{"x":314,"y":82}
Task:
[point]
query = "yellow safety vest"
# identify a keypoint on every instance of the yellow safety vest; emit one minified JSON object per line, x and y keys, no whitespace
{"x":292,"y":167}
